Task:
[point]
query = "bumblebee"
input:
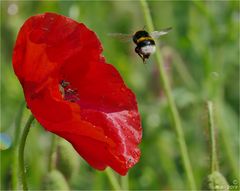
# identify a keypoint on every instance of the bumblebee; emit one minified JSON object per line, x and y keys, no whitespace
{"x":145,"y":44}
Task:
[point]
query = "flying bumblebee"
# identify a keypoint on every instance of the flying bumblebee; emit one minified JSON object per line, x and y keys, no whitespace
{"x":145,"y":44}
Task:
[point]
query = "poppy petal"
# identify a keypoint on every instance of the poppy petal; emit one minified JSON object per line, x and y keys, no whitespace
{"x":75,"y":94}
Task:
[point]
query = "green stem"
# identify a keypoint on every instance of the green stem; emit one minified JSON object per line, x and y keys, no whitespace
{"x":15,"y":145}
{"x":18,"y":122}
{"x":113,"y":179}
{"x":214,"y":160}
{"x":124,"y":182}
{"x":21,"y":151}
{"x":50,"y":157}
{"x":172,"y":106}
{"x":226,"y":138}
{"x":182,"y":70}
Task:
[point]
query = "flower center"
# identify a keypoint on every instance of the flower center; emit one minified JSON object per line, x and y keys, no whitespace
{"x":68,"y":92}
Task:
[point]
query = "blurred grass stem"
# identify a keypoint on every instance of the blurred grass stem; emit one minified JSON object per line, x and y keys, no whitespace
{"x":182,"y":70}
{"x":172,"y":106}
{"x":113,"y":179}
{"x":21,"y":151}
{"x":226,"y":138}
{"x":214,"y":161}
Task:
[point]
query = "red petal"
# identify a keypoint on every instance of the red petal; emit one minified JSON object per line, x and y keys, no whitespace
{"x":103,"y":123}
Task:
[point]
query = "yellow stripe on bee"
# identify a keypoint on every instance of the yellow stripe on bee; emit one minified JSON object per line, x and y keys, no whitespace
{"x":144,"y":38}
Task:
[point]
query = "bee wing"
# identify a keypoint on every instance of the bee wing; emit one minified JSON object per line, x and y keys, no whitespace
{"x":120,"y":36}
{"x":157,"y":34}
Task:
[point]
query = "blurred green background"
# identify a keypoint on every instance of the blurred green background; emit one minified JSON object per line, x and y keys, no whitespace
{"x":201,"y":55}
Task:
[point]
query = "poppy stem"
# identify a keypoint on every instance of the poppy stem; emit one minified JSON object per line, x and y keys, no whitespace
{"x":51,"y":150}
{"x":124,"y":182}
{"x":171,"y":102}
{"x":214,"y":160}
{"x":113,"y":179}
{"x":21,"y":151}
{"x":15,"y":146}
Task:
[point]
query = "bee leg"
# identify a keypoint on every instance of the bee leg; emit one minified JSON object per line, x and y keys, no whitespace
{"x":144,"y":60}
{"x":137,"y":50}
{"x":145,"y":56}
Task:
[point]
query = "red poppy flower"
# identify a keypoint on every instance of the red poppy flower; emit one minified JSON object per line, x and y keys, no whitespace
{"x":75,"y":94}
